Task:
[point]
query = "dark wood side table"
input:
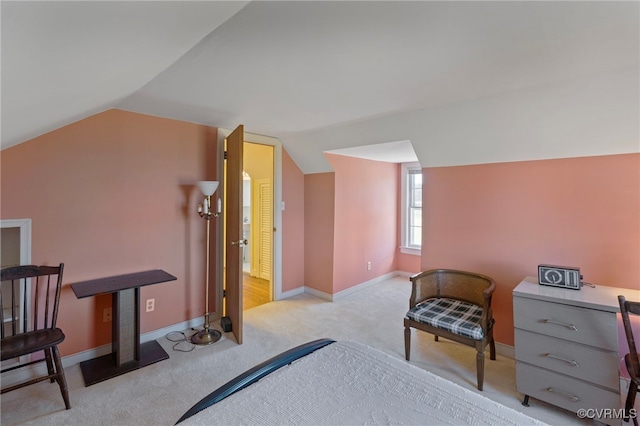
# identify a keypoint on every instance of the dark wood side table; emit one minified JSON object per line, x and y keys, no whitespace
{"x":127,"y":354}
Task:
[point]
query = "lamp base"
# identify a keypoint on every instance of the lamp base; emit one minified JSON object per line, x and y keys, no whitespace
{"x":206,"y":337}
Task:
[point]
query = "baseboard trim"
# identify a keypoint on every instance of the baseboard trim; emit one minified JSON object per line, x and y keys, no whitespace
{"x":363,"y":286}
{"x":356,"y":288}
{"x":505,"y":350}
{"x":317,"y":293}
{"x":290,"y":293}
{"x":33,"y":371}
{"x":146,"y":337}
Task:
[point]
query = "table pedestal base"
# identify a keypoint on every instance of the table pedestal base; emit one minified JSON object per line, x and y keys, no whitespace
{"x":127,"y":354}
{"x":102,"y":368}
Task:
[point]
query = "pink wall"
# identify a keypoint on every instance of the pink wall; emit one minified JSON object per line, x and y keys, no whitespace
{"x":365,"y":230}
{"x":504,"y":219}
{"x":293,"y":237}
{"x":319,"y":231}
{"x":408,"y":262}
{"x":113,"y":194}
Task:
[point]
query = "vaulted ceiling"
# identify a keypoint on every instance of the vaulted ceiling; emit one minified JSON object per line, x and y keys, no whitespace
{"x":287,"y":68}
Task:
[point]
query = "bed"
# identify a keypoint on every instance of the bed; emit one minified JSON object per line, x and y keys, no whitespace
{"x":345,"y":383}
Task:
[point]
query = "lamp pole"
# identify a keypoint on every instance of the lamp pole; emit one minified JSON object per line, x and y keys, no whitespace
{"x":207,"y":336}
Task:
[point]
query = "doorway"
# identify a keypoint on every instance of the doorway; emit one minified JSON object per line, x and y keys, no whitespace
{"x":258,"y":224}
{"x":222,"y":300}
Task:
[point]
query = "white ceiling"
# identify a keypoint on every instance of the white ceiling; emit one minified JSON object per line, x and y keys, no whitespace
{"x":389,"y":152}
{"x":283,"y":68}
{"x":65,"y":60}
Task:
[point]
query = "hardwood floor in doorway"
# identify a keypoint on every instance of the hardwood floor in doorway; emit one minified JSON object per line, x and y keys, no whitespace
{"x":255,"y":292}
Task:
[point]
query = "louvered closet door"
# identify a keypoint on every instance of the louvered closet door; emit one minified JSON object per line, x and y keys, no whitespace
{"x":266,"y":227}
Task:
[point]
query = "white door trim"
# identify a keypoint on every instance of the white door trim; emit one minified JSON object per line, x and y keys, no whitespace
{"x":25,"y":237}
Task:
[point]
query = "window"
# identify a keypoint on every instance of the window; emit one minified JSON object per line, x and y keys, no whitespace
{"x":411,"y":208}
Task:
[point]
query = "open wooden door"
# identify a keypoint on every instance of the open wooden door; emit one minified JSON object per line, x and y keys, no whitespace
{"x":233,"y":231}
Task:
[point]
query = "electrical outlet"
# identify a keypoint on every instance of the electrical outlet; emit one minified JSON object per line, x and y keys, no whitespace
{"x":151,"y":305}
{"x":368,"y":266}
{"x":106,"y":315}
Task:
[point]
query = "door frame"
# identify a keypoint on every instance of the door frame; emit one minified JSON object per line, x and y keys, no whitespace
{"x":25,"y":237}
{"x":276,"y":272}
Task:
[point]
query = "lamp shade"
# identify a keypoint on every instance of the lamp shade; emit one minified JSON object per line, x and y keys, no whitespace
{"x":208,"y":187}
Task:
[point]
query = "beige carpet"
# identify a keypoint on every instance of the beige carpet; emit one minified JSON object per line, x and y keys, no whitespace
{"x":159,"y":394}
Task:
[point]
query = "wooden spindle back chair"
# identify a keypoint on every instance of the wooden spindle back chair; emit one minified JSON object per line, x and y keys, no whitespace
{"x":29,"y":312}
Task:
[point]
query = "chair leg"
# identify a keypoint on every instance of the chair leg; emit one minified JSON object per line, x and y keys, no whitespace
{"x":631,"y":399}
{"x":480,"y":368}
{"x":407,"y":343}
{"x":62,"y":382}
{"x":435,"y":337}
{"x":50,"y":370}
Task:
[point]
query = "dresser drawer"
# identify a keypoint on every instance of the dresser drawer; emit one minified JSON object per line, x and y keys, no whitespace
{"x":587,"y":326}
{"x":573,"y":359}
{"x":562,"y":391}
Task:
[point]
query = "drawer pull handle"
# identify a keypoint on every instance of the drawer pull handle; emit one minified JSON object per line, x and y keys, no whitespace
{"x":569,"y":361}
{"x":567,"y":394}
{"x":569,"y":326}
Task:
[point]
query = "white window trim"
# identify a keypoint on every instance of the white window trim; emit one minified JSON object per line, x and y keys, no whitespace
{"x":404,"y":248}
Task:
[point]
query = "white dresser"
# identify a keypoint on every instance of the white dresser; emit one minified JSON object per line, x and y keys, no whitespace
{"x":566,"y":345}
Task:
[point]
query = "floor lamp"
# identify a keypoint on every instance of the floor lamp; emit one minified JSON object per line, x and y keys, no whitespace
{"x":207,"y":336}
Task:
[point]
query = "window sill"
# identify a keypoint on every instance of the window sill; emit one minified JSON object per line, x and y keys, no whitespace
{"x":411,"y":250}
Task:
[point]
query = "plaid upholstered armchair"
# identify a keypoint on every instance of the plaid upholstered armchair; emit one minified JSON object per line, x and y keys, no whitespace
{"x":455,"y":305}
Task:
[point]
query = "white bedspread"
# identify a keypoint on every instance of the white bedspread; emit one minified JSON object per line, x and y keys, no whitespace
{"x":347,"y":383}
